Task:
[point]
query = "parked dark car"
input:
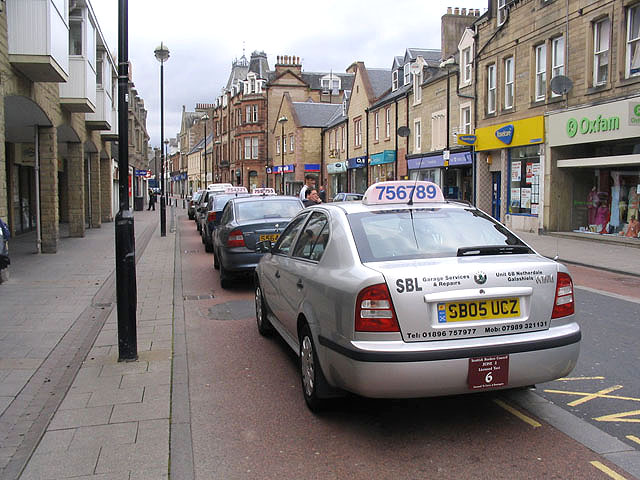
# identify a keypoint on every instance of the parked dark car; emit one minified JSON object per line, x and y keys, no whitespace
{"x":347,"y":197}
{"x":201,"y":207}
{"x":215,"y":206}
{"x":191,"y":209}
{"x":246,"y":221}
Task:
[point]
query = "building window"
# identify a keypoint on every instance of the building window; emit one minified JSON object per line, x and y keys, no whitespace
{"x":633,"y":42}
{"x":394,"y":80}
{"x":254,"y":113}
{"x":291,"y":142}
{"x":502,"y":11}
{"x":465,"y":120}
{"x":417,"y":134}
{"x":466,"y":65}
{"x":491,"y":88}
{"x":377,"y":126}
{"x":524,"y":186}
{"x":601,"y":33}
{"x":508,"y":82}
{"x":557,"y":59}
{"x":387,"y":122}
{"x":284,"y":144}
{"x":541,"y":72}
{"x":254,"y":147}
{"x":99,"y":69}
{"x":278,"y":145}
{"x":407,"y":73}
{"x":247,"y":117}
{"x":75,"y":36}
{"x":247,"y":148}
{"x":344,"y":138}
{"x":330,"y":83}
{"x":417,"y":89}
{"x":357,"y":132}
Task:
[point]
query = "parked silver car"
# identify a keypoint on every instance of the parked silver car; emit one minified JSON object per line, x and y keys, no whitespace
{"x":406,"y":294}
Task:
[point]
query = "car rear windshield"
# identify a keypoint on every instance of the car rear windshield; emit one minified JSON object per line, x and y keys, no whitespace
{"x":260,"y":209}
{"x":220,"y":200}
{"x":427,"y":233}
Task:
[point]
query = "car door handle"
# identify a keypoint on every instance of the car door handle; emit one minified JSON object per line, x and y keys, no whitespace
{"x":299,"y":284}
{"x":277,"y":273}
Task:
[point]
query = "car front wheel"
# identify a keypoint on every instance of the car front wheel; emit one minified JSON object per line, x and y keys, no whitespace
{"x":313,"y":380}
{"x":264,"y":325}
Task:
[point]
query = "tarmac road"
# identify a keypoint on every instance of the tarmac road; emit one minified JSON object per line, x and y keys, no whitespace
{"x":249,"y":420}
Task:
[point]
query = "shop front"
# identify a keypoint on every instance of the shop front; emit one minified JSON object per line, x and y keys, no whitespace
{"x":285,"y":175}
{"x":382,"y":166}
{"x":357,"y":174}
{"x":510,"y":166}
{"x":594,"y":159}
{"x":337,"y":178}
{"x":454,"y":176}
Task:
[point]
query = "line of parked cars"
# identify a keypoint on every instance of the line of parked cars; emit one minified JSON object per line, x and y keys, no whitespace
{"x":231,"y":221}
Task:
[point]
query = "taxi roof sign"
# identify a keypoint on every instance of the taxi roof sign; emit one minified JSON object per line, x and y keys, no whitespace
{"x":263,"y":191}
{"x":235,"y":190}
{"x":401,"y":191}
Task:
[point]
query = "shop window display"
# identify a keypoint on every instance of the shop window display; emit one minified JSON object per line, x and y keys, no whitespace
{"x":524,"y":192}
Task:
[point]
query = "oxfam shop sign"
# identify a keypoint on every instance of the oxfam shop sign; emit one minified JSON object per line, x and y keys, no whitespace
{"x":586,"y":125}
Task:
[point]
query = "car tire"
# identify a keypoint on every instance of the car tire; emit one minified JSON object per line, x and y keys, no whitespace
{"x":202,"y":236}
{"x":208,"y":247}
{"x":264,"y":325}
{"x":216,"y":262}
{"x":198,"y":226}
{"x":311,"y":376}
{"x":225,"y":281}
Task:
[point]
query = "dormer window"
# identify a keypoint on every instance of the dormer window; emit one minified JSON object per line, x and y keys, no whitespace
{"x":394,"y":80}
{"x":407,"y":73}
{"x":330,"y":83}
{"x":466,"y":65}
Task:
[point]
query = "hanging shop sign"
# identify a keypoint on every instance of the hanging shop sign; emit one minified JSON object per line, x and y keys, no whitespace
{"x":610,"y":121}
{"x":337,"y":167}
{"x":466,"y":139}
{"x":357,"y":162}
{"x":529,"y":131}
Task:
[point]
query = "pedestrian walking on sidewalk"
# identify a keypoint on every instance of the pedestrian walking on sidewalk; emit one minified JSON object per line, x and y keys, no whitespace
{"x":152,"y":200}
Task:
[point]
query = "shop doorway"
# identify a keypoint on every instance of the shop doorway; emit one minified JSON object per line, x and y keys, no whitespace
{"x":496,"y":182}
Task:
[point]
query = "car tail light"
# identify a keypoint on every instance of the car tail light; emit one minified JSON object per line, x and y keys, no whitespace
{"x":236,"y":239}
{"x":564,"y":304}
{"x":211,"y":217}
{"x":374,"y":310}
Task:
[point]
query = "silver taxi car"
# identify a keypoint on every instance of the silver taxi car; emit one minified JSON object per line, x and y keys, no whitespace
{"x":406,"y":294}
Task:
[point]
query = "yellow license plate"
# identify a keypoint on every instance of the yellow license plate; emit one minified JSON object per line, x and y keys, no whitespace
{"x":271,"y":237}
{"x":478,"y":310}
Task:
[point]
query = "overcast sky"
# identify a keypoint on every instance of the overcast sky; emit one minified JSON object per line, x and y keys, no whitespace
{"x":205,"y":36}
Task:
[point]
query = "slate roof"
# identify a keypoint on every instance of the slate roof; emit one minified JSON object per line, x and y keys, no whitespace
{"x":259,"y":64}
{"x":380,"y":79}
{"x":313,"y":79}
{"x":311,"y":114}
{"x":400,"y":92}
{"x":431,"y":56}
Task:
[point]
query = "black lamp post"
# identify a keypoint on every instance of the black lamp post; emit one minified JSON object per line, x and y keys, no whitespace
{"x":216,"y":160}
{"x":167,"y":169}
{"x":204,"y":118}
{"x":162,"y":55}
{"x":282,"y":120}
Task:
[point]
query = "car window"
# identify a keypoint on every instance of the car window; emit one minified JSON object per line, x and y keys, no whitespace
{"x":260,"y":209}
{"x":284,"y":243}
{"x":226,"y":214}
{"x":313,"y":238}
{"x":423,"y":233}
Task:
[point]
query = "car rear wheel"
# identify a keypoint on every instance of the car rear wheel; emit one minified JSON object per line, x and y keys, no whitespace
{"x":313,"y":380}
{"x":264,"y":325}
{"x":208,"y":247}
{"x":216,"y":262}
{"x":225,"y":281}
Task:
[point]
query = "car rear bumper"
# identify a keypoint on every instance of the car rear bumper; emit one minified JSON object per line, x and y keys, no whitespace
{"x":401,"y":370}
{"x":239,"y":259}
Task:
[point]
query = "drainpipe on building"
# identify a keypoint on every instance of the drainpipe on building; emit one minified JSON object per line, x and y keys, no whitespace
{"x":349,"y":174}
{"x":406,"y":98}
{"x":396,"y":137}
{"x":321,"y":158}
{"x":366,"y":161}
{"x":37,"y":173}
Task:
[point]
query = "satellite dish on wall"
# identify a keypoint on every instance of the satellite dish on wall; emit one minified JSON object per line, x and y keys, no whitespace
{"x":403,"y":131}
{"x":561,"y":85}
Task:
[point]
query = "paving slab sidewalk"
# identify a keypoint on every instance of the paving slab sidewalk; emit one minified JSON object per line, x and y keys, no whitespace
{"x":113,"y":421}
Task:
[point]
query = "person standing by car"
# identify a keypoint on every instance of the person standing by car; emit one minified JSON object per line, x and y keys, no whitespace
{"x":309,"y":182}
{"x":322,"y":193}
{"x":152,"y":200}
{"x":312,"y":198}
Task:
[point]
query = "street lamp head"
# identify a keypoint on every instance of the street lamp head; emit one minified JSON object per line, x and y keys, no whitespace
{"x":161,"y":52}
{"x":282,"y":119}
{"x":205,"y":117}
{"x":449,"y":62}
{"x":166,"y":142}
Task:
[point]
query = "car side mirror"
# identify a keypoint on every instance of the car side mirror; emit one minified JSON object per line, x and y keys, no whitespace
{"x":264,"y":247}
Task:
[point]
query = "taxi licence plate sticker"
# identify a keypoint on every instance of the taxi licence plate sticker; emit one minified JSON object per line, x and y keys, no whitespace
{"x":466,"y":311}
{"x":271,"y":237}
{"x":488,"y":372}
